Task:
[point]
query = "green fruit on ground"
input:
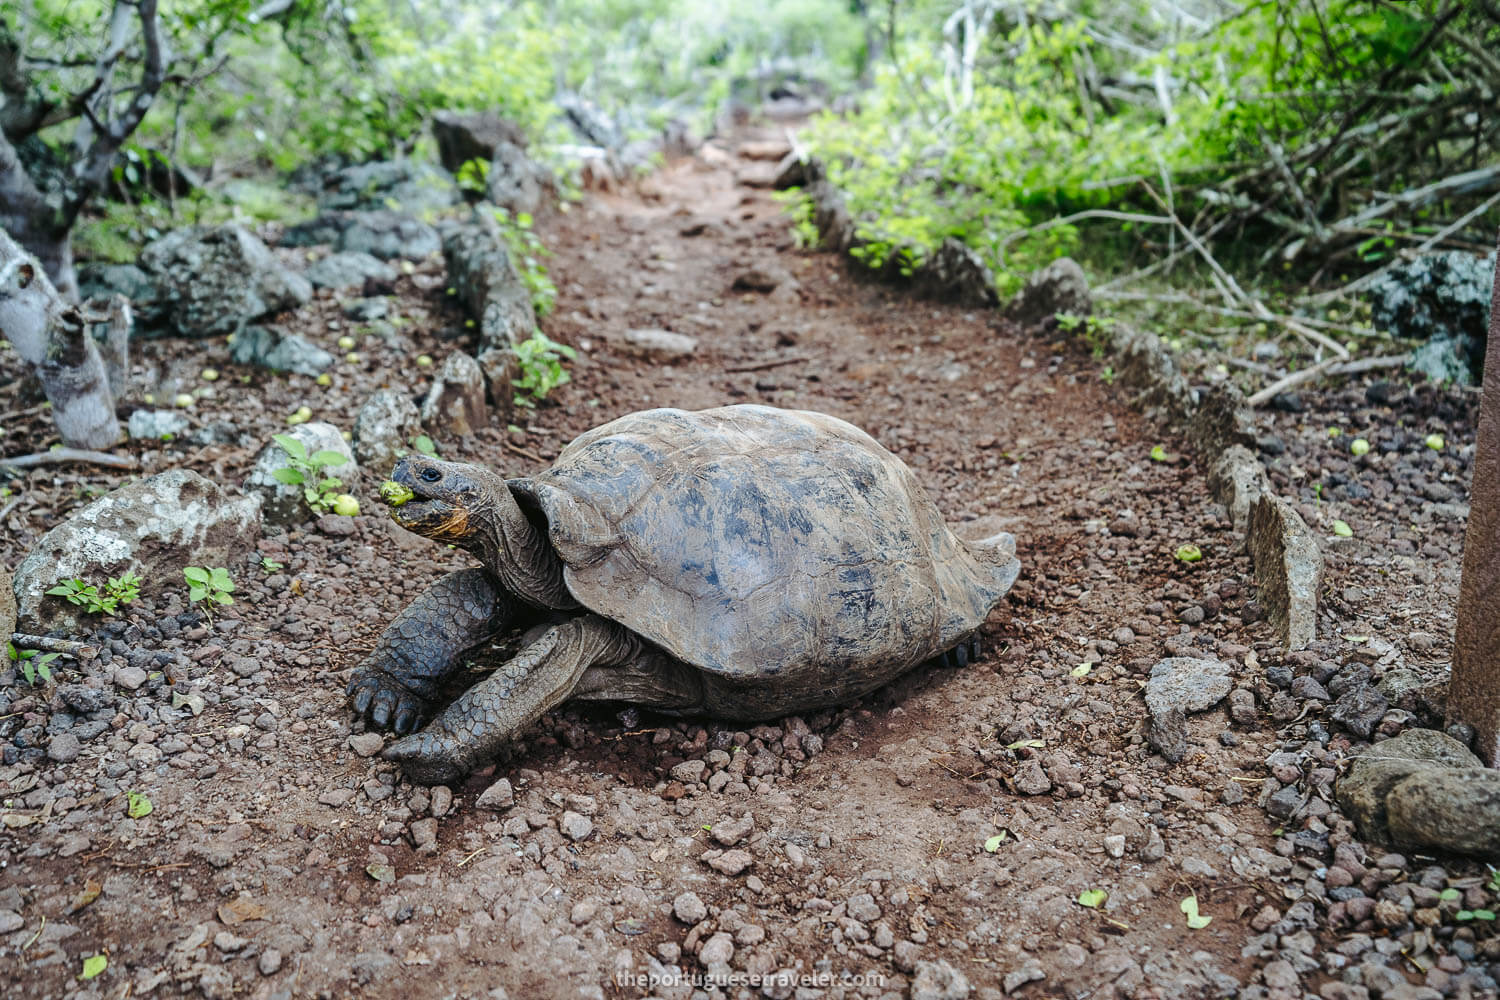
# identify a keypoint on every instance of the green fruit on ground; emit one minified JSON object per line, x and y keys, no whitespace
{"x":346,"y":505}
{"x":1359,"y":446}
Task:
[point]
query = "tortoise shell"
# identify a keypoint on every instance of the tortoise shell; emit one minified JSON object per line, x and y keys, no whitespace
{"x":759,"y":543}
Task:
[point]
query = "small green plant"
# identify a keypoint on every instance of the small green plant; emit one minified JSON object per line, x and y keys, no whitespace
{"x":117,"y":591}
{"x":528,"y":253}
{"x":321,"y":492}
{"x":269,"y":565}
{"x":540,"y":360}
{"x":474,"y":176}
{"x":31,"y":663}
{"x":797,"y":204}
{"x":209,"y":586}
{"x":423,"y":444}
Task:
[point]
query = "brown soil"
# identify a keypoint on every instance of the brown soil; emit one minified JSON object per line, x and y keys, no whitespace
{"x":868,"y":847}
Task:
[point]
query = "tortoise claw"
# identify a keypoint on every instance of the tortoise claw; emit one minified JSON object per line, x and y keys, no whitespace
{"x":384,"y":703}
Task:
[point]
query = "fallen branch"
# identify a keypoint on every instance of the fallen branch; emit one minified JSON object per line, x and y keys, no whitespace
{"x":1330,"y":367}
{"x":46,"y":644}
{"x":61,"y":455}
{"x":760,"y":366}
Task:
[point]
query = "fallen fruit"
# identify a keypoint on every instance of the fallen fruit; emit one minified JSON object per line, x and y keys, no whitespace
{"x":1359,"y":446}
{"x":183,"y":399}
{"x":346,"y":343}
{"x":210,"y":375}
{"x":1435,"y":442}
{"x":324,"y":379}
{"x":424,"y":360}
{"x":1188,"y":553}
{"x":346,"y":505}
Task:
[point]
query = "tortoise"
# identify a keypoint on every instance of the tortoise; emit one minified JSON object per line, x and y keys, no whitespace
{"x":744,"y":562}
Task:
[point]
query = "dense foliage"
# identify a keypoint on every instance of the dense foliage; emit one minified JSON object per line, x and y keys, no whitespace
{"x":1282,"y":125}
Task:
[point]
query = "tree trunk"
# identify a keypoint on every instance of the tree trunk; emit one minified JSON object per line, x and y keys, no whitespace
{"x":53,"y":338}
{"x":1474,"y":691}
{"x":34,"y":222}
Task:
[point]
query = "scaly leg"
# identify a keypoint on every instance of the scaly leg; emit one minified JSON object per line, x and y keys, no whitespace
{"x":540,"y":677}
{"x":425,"y":645}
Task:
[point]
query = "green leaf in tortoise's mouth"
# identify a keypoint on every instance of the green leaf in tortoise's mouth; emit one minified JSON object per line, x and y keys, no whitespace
{"x":394,"y":494}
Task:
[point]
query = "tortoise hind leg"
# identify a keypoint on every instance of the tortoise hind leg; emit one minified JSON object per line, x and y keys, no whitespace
{"x":966,"y":652}
{"x":539,"y":678}
{"x":425,"y":645}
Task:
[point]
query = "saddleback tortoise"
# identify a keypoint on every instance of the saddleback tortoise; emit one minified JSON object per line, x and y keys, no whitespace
{"x":742,"y":562}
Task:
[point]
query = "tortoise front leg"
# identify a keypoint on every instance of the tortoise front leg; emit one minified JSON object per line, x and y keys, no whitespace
{"x":542,"y":676}
{"x":425,"y":644}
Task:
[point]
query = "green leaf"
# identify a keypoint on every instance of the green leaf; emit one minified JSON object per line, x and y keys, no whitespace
{"x":1484,"y":914}
{"x":196,"y":574}
{"x":1449,"y":894}
{"x":1082,"y":670}
{"x":137,"y":805}
{"x":93,"y":965}
{"x":1092,"y":898}
{"x":1196,"y":922}
{"x":220,"y":579}
{"x":291,"y":446}
{"x":1159,"y":454}
{"x":993,"y":844}
{"x":328,"y":457}
{"x":424,"y":444}
{"x":290,"y":477}
{"x":222,"y":598}
{"x":196,"y":594}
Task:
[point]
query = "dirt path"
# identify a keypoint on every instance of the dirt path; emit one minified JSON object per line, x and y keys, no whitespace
{"x":849,"y":847}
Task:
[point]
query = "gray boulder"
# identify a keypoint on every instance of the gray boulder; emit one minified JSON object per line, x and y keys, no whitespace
{"x":1288,"y":568}
{"x":152,"y":527}
{"x":1455,"y":810}
{"x":1177,"y":687}
{"x":1443,"y":299}
{"x":1060,"y":287}
{"x":156,"y":424}
{"x":455,"y":404}
{"x":388,"y":235}
{"x":284,"y":503}
{"x":385,"y":184}
{"x":1365,"y":789}
{"x":378,"y":233}
{"x":271,"y":347}
{"x":488,"y":284}
{"x":383,"y":428}
{"x":516,"y":182}
{"x":213,"y":281}
{"x":956,"y":273}
{"x":472,"y":135}
{"x":1237,"y":479}
{"x":100,"y":281}
{"x":347,"y":269}
{"x":501,"y":368}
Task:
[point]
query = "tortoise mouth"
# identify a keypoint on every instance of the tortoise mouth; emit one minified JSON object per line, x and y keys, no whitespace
{"x":433,"y":509}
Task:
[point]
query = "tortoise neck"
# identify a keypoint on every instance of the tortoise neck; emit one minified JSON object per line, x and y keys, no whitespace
{"x":516,"y":551}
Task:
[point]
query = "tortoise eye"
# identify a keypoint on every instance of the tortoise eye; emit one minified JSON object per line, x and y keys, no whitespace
{"x":431,"y":475}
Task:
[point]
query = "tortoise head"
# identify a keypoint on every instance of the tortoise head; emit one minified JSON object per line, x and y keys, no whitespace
{"x":445,"y":501}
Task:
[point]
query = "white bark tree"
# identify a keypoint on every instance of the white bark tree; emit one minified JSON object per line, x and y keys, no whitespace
{"x":54,"y":338}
